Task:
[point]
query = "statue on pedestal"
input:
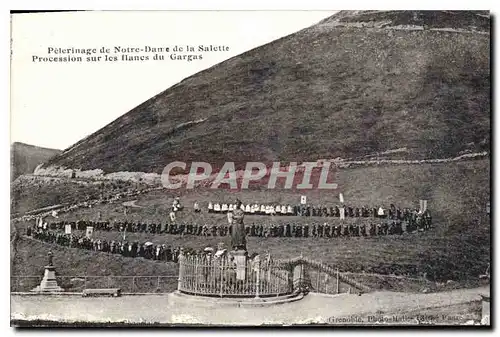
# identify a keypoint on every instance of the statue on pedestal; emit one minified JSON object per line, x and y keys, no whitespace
{"x":49,"y":281}
{"x":238,"y":234}
{"x":51,"y":258}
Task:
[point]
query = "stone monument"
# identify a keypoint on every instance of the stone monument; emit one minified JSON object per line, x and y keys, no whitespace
{"x":238,"y":242}
{"x":49,"y":282}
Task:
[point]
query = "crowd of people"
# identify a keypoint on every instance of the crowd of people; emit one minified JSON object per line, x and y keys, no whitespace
{"x":343,"y":211}
{"x":377,"y":222}
{"x":146,"y":250}
{"x":415,"y":221}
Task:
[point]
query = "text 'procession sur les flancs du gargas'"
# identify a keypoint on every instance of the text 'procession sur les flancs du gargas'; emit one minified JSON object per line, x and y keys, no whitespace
{"x":128,"y":54}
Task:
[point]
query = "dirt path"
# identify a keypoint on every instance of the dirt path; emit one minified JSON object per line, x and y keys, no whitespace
{"x":314,"y":308}
{"x":131,"y":203}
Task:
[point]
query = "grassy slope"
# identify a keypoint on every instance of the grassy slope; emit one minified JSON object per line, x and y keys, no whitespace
{"x":320,"y":93}
{"x":455,"y":192}
{"x":31,"y":257}
{"x":25,"y":158}
{"x":457,"y":248}
{"x":34,"y":192}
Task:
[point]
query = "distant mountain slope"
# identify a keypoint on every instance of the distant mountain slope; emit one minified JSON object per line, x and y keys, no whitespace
{"x":25,"y":158}
{"x":355,"y":84}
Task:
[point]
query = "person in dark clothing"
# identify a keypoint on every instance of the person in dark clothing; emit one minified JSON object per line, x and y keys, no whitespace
{"x":320,"y":230}
{"x":324,"y":211}
{"x":168,"y":254}
{"x":356,"y":230}
{"x":362,"y":229}
{"x":300,"y":231}
{"x":134,"y":249}
{"x":327,"y":230}
{"x":337,"y":212}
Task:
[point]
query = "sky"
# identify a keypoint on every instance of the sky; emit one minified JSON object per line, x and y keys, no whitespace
{"x":55,"y":104}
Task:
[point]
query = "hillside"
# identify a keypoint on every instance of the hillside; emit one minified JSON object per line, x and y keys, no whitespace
{"x":356,"y":83}
{"x":29,"y":192}
{"x":457,"y":248}
{"x":25,"y":158}
{"x":29,"y":256}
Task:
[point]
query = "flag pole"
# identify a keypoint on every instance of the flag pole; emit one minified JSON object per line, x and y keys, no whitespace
{"x":126,"y":222}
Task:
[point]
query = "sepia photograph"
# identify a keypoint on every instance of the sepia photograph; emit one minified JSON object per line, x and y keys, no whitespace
{"x":250,"y":168}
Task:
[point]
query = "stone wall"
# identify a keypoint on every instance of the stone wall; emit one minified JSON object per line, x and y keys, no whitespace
{"x":98,"y":174}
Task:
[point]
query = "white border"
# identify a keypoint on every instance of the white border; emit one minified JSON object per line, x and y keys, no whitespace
{"x":178,"y":5}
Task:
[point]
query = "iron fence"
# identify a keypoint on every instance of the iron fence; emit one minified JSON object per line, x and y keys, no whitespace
{"x":222,"y":277}
{"x":201,"y":275}
{"x":127,"y":284}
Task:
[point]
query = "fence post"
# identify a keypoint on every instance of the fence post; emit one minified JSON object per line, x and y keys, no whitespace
{"x":109,"y":281}
{"x":337,"y":280}
{"x":85,"y":282}
{"x":181,"y":269}
{"x":257,"y":272}
{"x":196,"y":276}
{"x":318,"y":279}
{"x":222,"y":275}
{"x":133,"y":283}
{"x":302,"y":273}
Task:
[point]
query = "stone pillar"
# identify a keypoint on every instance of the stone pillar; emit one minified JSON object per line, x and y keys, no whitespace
{"x":298,"y":274}
{"x":240,"y":258}
{"x":257,"y":274}
{"x":181,"y":269}
{"x":49,"y":282}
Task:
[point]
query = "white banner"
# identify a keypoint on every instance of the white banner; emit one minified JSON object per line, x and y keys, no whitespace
{"x":89,"y":232}
{"x":303,"y":200}
{"x":341,"y":198}
{"x":423,"y":205}
{"x":67,"y":229}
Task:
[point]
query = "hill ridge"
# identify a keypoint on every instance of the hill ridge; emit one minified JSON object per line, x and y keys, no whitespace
{"x":313,"y":94}
{"x":26,"y":157}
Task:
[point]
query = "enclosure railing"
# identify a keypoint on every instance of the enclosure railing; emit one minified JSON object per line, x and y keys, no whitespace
{"x":206,"y":275}
{"x":127,"y":284}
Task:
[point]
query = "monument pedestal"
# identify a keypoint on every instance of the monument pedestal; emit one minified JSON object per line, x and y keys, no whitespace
{"x":240,"y":258}
{"x":49,"y":282}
